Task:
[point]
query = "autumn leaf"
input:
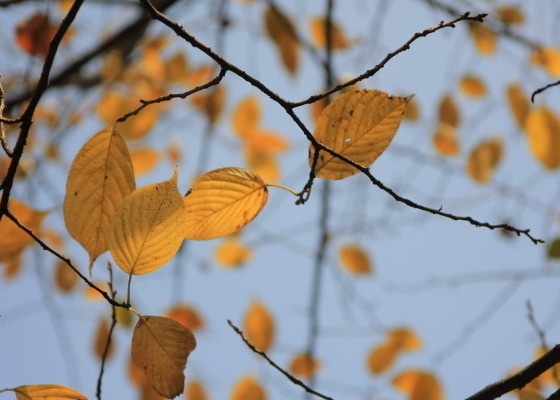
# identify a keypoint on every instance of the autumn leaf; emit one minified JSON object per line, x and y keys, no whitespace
{"x":318,"y":28}
{"x":186,"y":316}
{"x":483,"y":160}
{"x":445,"y":140}
{"x":231,"y":253}
{"x":282,"y":32}
{"x":247,"y":388}
{"x":176,"y":67}
{"x":12,"y":267}
{"x":404,"y":339}
{"x":210,"y":103}
{"x":264,"y":164}
{"x":518,"y":103}
{"x":543,"y":132}
{"x":160,"y":347}
{"x":472,"y":86}
{"x":524,"y":394}
{"x":35,"y":34}
{"x":358,"y":125}
{"x":195,"y":391}
{"x":484,"y":38}
{"x":412,"y":112}
{"x":381,"y":358}
{"x":549,"y":59}
{"x":46,"y":392}
{"x":100,"y":177}
{"x":266,"y":141}
{"x":448,"y":111}
{"x":554,"y":248}
{"x":259,"y":326}
{"x":304,"y":366}
{"x":355,"y":260}
{"x":144,"y":160}
{"x":419,"y":385}
{"x":65,"y":278}
{"x":147,"y":229}
{"x":246,"y":117}
{"x":510,"y":15}
{"x":223,"y":201}
{"x":101,"y":336}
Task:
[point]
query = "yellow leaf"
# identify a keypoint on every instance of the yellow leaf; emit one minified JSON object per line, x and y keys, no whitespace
{"x":223,"y":201}
{"x":65,"y":278}
{"x":101,"y":340}
{"x":160,"y":347}
{"x":262,"y":163}
{"x":147,"y":229}
{"x":412,"y":112}
{"x":518,"y":103}
{"x":448,"y":111}
{"x":549,"y":59}
{"x":543,"y":131}
{"x":186,"y":316}
{"x":259,"y":326}
{"x":355,"y":260}
{"x":419,"y":385}
{"x":195,"y":391}
{"x":318,"y":28}
{"x":472,"y":86}
{"x":232,"y":253}
{"x":210,"y":103}
{"x":282,"y":32}
{"x":12,"y":239}
{"x":47,"y":392}
{"x":510,"y":15}
{"x":124,"y":317}
{"x":266,"y":141}
{"x":144,"y":160}
{"x":100,"y":178}
{"x":304,"y":366}
{"x":200,"y":75}
{"x":247,"y":388}
{"x":484,"y":38}
{"x":404,"y":339}
{"x":483,"y":160}
{"x":445,"y":140}
{"x":247,"y":116}
{"x":176,"y":68}
{"x":358,"y":125}
{"x":381,"y":358}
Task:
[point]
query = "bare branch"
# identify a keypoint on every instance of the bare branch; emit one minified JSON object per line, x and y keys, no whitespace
{"x":540,"y":90}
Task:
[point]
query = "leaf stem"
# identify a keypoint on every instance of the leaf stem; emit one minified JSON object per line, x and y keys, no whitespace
{"x":297,"y":194}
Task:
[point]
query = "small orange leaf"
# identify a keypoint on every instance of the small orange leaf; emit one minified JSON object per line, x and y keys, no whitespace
{"x":543,"y":131}
{"x":549,"y":59}
{"x":144,"y":160}
{"x":247,"y":388}
{"x":35,"y":34}
{"x":101,"y":336}
{"x":518,"y":103}
{"x":483,"y":160}
{"x":124,"y":317}
{"x":93,"y":295}
{"x":355,"y":260}
{"x":448,"y":111}
{"x":259,"y":326}
{"x":12,"y":267}
{"x":510,"y":15}
{"x":472,"y":86}
{"x":195,"y":391}
{"x":484,"y":38}
{"x":266,"y":141}
{"x":231,"y":253}
{"x":186,"y":316}
{"x":381,"y":358}
{"x":404,"y":339}
{"x":304,"y":366}
{"x":318,"y":28}
{"x":419,"y":385}
{"x":247,"y":116}
{"x":282,"y":32}
{"x":445,"y":140}
{"x":65,"y":278}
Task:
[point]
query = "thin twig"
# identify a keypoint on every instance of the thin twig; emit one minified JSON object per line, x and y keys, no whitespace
{"x":540,"y":90}
{"x":536,"y":327}
{"x":292,"y":378}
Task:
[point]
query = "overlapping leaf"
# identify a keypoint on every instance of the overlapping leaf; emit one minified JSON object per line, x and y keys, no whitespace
{"x":398,"y":340}
{"x":46,"y":392}
{"x":100,"y":178}
{"x":160,"y":347}
{"x":223,"y":201}
{"x":358,"y":125}
{"x":549,"y":59}
{"x":147,"y":230}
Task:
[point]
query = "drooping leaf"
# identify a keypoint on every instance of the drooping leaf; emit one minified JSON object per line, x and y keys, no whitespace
{"x":381,"y":358}
{"x":510,"y":15}
{"x":449,"y":112}
{"x":100,"y":178}
{"x":247,"y":116}
{"x":65,"y":278}
{"x":304,"y":366}
{"x":419,"y":385}
{"x":549,"y":59}
{"x":554,"y":248}
{"x":35,"y":34}
{"x":12,"y":239}
{"x":195,"y":391}
{"x":223,"y":201}
{"x":144,"y":160}
{"x":187,"y":316}
{"x":518,"y":103}
{"x":160,"y":347}
{"x":231,"y":253}
{"x":484,"y":38}
{"x":355,"y":260}
{"x":358,"y":125}
{"x":46,"y":392}
{"x":147,"y":229}
{"x":472,"y":86}
{"x":483,"y":160}
{"x":247,"y":388}
{"x":445,"y":140}
{"x":263,"y":164}
{"x":282,"y":32}
{"x":318,"y":28}
{"x":101,"y":336}
{"x":543,"y":132}
{"x":259,"y":326}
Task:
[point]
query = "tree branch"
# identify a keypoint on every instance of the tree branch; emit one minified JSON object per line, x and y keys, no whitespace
{"x":540,"y":90}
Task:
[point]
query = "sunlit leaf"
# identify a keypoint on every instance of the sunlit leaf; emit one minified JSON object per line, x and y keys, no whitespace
{"x":259,"y":326}
{"x":263,"y":164}
{"x":448,"y":111}
{"x":484,"y":38}
{"x":519,"y":104}
{"x":195,"y":391}
{"x":64,"y":277}
{"x":554,"y":248}
{"x":304,"y":366}
{"x":186,"y":316}
{"x":355,"y":260}
{"x":318,"y":28}
{"x":35,"y":34}
{"x":266,"y":141}
{"x":100,"y":177}
{"x":510,"y":15}
{"x":210,"y":103}
{"x":177,"y":67}
{"x":419,"y":385}
{"x":358,"y":125}
{"x":144,"y":160}
{"x":282,"y":32}
{"x":147,"y":229}
{"x":47,"y":392}
{"x":381,"y":358}
{"x":160,"y":347}
{"x":472,"y":86}
{"x":404,"y":339}
{"x":549,"y":59}
{"x":231,"y":253}
{"x":543,"y":132}
{"x":223,"y":201}
{"x":247,"y":388}
{"x":246,"y":117}
{"x":483,"y":160}
{"x":445,"y":140}
{"x":13,"y":239}
{"x":101,"y":335}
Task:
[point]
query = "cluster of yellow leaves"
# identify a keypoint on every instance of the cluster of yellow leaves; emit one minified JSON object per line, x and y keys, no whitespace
{"x":355,"y":260}
{"x":398,"y":340}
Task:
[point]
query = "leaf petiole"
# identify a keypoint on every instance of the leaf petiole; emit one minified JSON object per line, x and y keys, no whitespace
{"x":297,"y":194}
